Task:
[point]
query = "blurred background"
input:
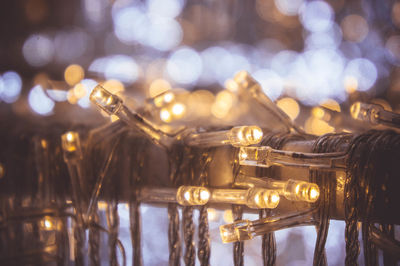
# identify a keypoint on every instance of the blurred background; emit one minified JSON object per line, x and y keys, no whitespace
{"x":305,"y":54}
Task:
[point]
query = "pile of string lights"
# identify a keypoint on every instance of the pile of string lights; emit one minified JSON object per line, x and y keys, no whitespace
{"x":153,"y":155}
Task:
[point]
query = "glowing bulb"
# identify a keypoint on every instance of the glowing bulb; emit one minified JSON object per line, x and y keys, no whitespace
{"x":165,"y":115}
{"x":178,"y":109}
{"x":242,"y":155}
{"x":237,"y":231}
{"x":260,"y":198}
{"x":245,"y":135}
{"x":366,"y":112}
{"x":70,"y":143}
{"x":190,"y":195}
{"x":48,"y":223}
{"x":168,"y":97}
{"x":105,"y":100}
{"x":314,"y":193}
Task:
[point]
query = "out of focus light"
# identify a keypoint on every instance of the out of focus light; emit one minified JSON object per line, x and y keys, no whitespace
{"x":57,"y":95}
{"x":64,"y":40}
{"x":393,"y":48}
{"x":355,"y":28}
{"x":165,"y":8}
{"x":316,"y":16}
{"x":350,"y":84}
{"x":270,"y":81}
{"x":39,"y":102}
{"x":158,"y":86}
{"x":73,"y":74}
{"x":88,"y":85}
{"x":38,"y":50}
{"x":289,"y":106}
{"x":228,"y":216}
{"x":223,"y":104}
{"x":113,"y":86}
{"x":165,"y":115}
{"x":10,"y":86}
{"x":396,"y":14}
{"x":364,"y":71}
{"x":132,"y":25}
{"x":288,"y":7}
{"x":178,"y":110}
{"x":120,"y":67}
{"x":184,"y":66}
{"x":79,"y":91}
{"x":317,"y":126}
{"x":331,"y":105}
{"x":212,"y":214}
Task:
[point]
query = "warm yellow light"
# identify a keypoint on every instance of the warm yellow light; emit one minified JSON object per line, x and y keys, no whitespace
{"x":205,"y":195}
{"x":331,"y":105}
{"x":318,"y":112}
{"x":275,"y":198}
{"x":114,"y":86}
{"x":223,"y":104}
{"x":158,"y":87}
{"x":289,"y":106}
{"x":355,"y":110}
{"x":245,"y":135}
{"x":74,"y":74}
{"x":48,"y":223}
{"x":165,"y":115}
{"x":190,"y":195}
{"x":70,"y":136}
{"x":169,"y":97}
{"x":212,"y":214}
{"x":70,"y":142}
{"x":2,"y":170}
{"x":79,"y":90}
{"x":301,"y":191}
{"x":231,"y":85}
{"x":178,"y":109}
{"x":228,"y":216}
{"x":314,"y":193}
{"x":350,"y":84}
{"x":242,"y":155}
{"x":260,"y":198}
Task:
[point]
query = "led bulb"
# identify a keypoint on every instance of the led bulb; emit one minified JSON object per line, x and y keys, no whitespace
{"x":71,"y":145}
{"x":48,"y":223}
{"x":366,"y":112}
{"x":245,"y":135}
{"x":104,"y":99}
{"x":237,"y":231}
{"x":245,"y":80}
{"x":259,"y":198}
{"x":189,"y":195}
{"x":301,"y":191}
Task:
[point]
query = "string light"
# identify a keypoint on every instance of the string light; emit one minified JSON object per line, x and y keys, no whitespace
{"x":244,"y":229}
{"x":189,"y":195}
{"x":237,"y":136}
{"x":374,"y":114}
{"x":113,"y":105}
{"x":267,"y":156}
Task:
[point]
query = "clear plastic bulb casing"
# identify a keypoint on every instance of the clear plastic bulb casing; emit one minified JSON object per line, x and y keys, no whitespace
{"x":71,"y":146}
{"x":190,"y":195}
{"x":266,"y":156}
{"x":294,"y":190}
{"x":107,"y":101}
{"x":243,"y":82}
{"x":113,"y":105}
{"x":244,"y":229}
{"x":374,"y":114}
{"x":236,"y":136}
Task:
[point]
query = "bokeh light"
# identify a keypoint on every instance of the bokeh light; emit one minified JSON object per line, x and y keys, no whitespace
{"x":38,"y":50}
{"x":184,"y":66}
{"x":39,"y":102}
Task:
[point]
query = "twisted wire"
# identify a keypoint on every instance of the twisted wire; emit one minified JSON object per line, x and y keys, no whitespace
{"x":94,"y":241}
{"x":174,"y":242}
{"x":203,"y":252}
{"x":327,"y":183}
{"x":78,"y":234}
{"x":188,"y":176}
{"x":371,"y":156}
{"x":268,"y":246}
{"x":238,"y":247}
{"x":113,"y":223}
{"x":134,"y":205}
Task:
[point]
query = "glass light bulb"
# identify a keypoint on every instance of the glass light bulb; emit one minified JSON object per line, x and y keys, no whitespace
{"x":260,"y":198}
{"x":366,"y":112}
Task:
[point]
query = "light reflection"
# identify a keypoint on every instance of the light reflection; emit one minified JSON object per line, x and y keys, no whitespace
{"x":289,"y":106}
{"x":355,"y":28}
{"x":39,"y":102}
{"x":73,"y":74}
